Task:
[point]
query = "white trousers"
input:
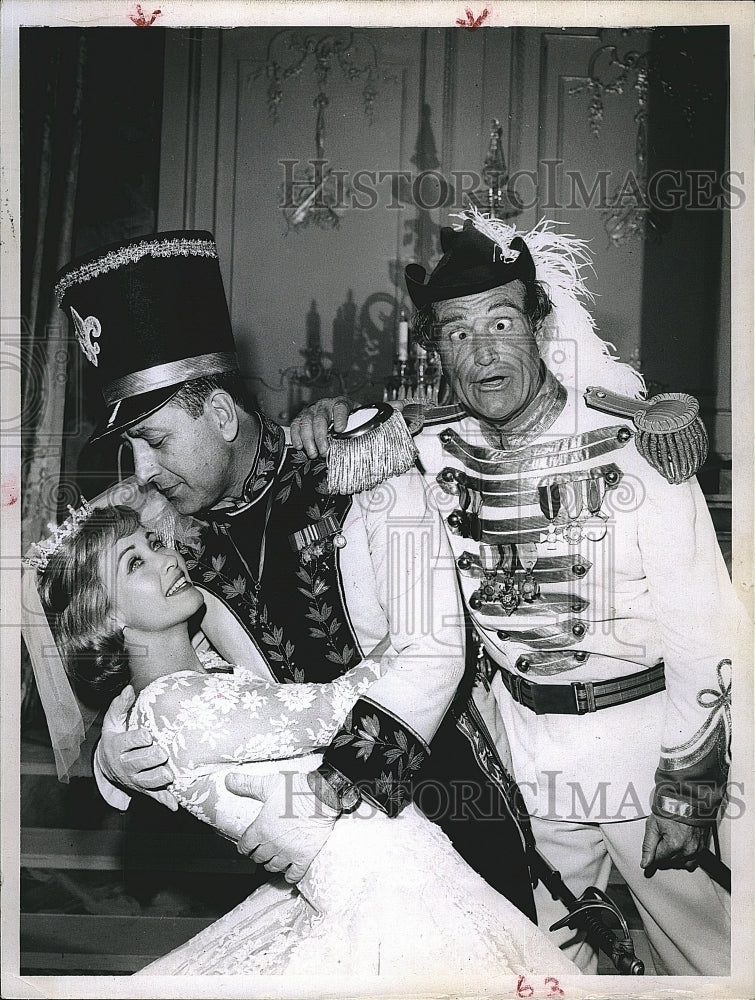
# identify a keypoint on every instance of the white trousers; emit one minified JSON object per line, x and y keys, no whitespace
{"x":686,"y":915}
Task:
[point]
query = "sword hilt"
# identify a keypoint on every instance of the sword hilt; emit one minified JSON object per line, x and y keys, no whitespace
{"x":582,"y":916}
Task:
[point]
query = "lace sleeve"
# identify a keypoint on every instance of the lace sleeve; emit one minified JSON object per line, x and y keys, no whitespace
{"x":209,"y":719}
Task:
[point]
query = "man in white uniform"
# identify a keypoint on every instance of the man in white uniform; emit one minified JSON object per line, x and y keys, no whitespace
{"x":600,"y":599}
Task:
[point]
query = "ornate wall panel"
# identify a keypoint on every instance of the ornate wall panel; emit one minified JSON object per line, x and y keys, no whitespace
{"x":435,"y":96}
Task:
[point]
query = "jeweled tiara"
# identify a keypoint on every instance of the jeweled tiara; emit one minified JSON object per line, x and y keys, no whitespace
{"x":41,"y":552}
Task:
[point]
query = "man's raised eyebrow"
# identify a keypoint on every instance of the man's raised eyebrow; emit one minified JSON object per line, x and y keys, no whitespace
{"x":502,"y":303}
{"x":454,"y":318}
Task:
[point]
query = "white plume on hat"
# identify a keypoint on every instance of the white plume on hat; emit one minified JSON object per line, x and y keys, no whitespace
{"x":560,"y":264}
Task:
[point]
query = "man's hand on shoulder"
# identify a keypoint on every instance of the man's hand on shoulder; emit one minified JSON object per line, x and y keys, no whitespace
{"x":309,"y":431}
{"x":129,"y":757}
{"x":670,"y":844}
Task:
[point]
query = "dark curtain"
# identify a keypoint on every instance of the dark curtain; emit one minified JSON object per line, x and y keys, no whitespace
{"x":91,"y":115}
{"x":52,"y":82}
{"x":689,"y":110}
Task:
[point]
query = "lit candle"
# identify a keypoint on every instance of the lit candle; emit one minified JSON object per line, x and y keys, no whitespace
{"x":402,"y":347}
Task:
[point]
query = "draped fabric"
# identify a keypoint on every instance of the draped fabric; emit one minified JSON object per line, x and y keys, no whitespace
{"x":383,"y":897}
{"x":52,"y":80}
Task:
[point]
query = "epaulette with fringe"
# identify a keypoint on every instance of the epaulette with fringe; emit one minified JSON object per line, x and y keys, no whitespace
{"x":669,"y":433}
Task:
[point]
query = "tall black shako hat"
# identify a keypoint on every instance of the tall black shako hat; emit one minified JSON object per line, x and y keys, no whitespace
{"x":150,"y":314}
{"x":471,"y":263}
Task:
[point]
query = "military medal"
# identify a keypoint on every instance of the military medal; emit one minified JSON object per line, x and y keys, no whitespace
{"x":571,"y":499}
{"x":499,"y":587}
{"x":316,"y":539}
{"x":550,"y":505}
{"x":490,"y":560}
{"x":509,"y":597}
{"x":573,"y":533}
{"x":595,"y":526}
{"x":508,"y":593}
{"x":529,"y":587}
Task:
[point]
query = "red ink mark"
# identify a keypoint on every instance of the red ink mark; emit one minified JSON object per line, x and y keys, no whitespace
{"x":9,"y":493}
{"x":555,"y":989}
{"x":523,"y":988}
{"x":140,"y":20}
{"x":471,"y":24}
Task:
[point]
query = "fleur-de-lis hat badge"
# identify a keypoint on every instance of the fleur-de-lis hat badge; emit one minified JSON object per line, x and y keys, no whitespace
{"x":149,"y":313}
{"x":86,"y":330}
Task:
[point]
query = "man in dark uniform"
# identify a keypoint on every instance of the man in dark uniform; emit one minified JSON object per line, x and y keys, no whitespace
{"x":310,"y":582}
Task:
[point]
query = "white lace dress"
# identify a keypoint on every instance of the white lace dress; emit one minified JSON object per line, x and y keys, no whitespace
{"x":384,"y":897}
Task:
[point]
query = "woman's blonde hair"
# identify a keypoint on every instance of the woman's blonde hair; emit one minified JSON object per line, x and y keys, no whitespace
{"x":78,"y":608}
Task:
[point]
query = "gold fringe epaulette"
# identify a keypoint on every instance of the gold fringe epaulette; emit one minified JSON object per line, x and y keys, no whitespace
{"x":669,"y":433}
{"x":370,"y":450}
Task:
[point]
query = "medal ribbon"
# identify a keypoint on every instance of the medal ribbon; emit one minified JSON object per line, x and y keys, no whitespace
{"x":325,"y":528}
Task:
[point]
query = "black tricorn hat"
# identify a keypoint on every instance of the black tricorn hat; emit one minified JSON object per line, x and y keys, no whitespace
{"x":150,"y":314}
{"x":471,"y":263}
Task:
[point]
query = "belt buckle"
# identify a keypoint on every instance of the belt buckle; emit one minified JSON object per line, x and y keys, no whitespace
{"x":516,"y":688}
{"x":586,"y":690}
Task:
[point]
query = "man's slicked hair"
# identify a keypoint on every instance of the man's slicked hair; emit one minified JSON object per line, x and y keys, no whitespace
{"x":192,"y":395}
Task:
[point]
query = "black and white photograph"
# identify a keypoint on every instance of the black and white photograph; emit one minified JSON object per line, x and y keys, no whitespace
{"x":376,"y":577}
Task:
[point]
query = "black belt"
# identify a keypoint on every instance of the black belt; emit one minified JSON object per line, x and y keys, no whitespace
{"x":581,"y":697}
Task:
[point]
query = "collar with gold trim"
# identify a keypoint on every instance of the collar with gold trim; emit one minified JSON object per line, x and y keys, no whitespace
{"x":532,"y":421}
{"x":268,"y":458}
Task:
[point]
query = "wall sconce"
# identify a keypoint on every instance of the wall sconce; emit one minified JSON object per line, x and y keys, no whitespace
{"x":317,"y":195}
{"x":630,"y":214}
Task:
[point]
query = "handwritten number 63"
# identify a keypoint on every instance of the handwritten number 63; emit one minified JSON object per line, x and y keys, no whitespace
{"x":525,"y":989}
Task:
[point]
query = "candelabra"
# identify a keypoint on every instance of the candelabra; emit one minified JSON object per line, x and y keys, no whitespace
{"x":416,"y":374}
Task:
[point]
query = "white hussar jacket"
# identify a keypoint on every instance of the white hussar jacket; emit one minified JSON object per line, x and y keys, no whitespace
{"x":653,"y":588}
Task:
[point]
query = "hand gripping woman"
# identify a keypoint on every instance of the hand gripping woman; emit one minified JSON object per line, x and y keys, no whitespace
{"x":383,"y":896}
